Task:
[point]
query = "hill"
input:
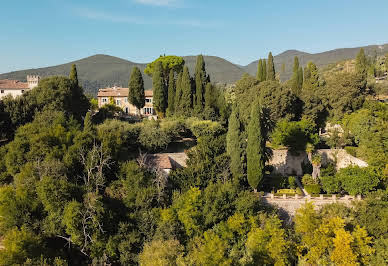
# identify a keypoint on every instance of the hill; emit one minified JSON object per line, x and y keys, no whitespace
{"x":100,"y":71}
{"x":320,"y":59}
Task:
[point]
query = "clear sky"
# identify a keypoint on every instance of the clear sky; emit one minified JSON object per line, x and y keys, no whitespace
{"x":50,"y":32}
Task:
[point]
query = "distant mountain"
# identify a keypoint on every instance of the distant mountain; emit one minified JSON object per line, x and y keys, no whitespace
{"x":320,"y":59}
{"x":100,"y":71}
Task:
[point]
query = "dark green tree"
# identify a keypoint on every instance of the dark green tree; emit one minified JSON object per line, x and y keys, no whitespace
{"x":209,"y":95}
{"x":233,"y":144}
{"x":311,"y":77}
{"x":271,"y":75}
{"x":361,"y":63}
{"x":186,"y":99}
{"x":200,"y":83}
{"x":178,"y":94}
{"x":159,"y":97}
{"x":260,"y":72}
{"x":297,"y":77}
{"x":171,"y":94}
{"x":296,"y":65}
{"x":136,"y":89}
{"x":264,"y":62}
{"x":73,"y":74}
{"x":255,"y":147}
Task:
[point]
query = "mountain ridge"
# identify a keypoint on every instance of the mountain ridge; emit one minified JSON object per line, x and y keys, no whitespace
{"x":101,"y":70}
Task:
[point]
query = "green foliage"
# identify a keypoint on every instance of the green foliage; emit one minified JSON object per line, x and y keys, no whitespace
{"x":152,"y":137}
{"x":136,"y":89}
{"x":313,"y":189}
{"x":168,"y":63}
{"x":201,"y":128}
{"x":159,"y":90}
{"x":295,"y":135}
{"x":234,"y":145}
{"x":291,"y":182}
{"x":200,"y":83}
{"x":356,"y":180}
{"x":171,"y":94}
{"x":270,"y":68}
{"x":256,"y":147}
{"x":330,"y":184}
{"x":261,"y":73}
{"x":73,"y":76}
{"x":361,"y":63}
{"x":308,"y":180}
{"x":311,"y":77}
{"x":186,"y":100}
{"x":161,"y":253}
{"x":297,"y":77}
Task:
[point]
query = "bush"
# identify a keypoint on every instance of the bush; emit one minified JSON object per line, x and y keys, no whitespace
{"x":330,"y":184}
{"x":291,"y":181}
{"x":308,"y":180}
{"x":299,"y":191}
{"x":356,"y":180}
{"x":206,"y":128}
{"x":313,"y":189}
{"x":286,"y":191}
{"x":152,"y":137}
{"x":351,"y":150}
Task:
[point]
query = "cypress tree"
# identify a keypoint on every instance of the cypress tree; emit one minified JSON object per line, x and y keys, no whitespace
{"x":159,"y":97}
{"x":264,"y":67}
{"x":361,"y":63}
{"x":233,"y":144}
{"x":73,"y":74}
{"x":186,"y":98}
{"x":208,"y":94}
{"x":178,"y":93}
{"x":270,"y":68}
{"x":255,"y":147}
{"x":259,"y":74}
{"x":296,"y":65}
{"x":311,"y":77}
{"x":136,"y":89}
{"x":300,"y":78}
{"x":171,"y":94}
{"x":200,"y":81}
{"x":88,"y":124}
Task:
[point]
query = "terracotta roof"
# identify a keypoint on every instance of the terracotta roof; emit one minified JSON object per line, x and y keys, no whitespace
{"x":119,"y":91}
{"x":13,"y":84}
{"x":159,"y":161}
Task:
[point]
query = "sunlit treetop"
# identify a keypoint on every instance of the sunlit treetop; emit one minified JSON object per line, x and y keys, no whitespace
{"x":168,"y":62}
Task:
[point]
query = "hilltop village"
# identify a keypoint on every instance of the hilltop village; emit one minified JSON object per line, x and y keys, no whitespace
{"x":190,"y":172}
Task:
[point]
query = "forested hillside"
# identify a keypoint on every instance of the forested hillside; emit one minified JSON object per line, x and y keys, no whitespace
{"x":77,"y":188}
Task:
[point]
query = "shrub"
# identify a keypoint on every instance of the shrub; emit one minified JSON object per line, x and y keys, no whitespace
{"x":206,"y":128}
{"x":299,"y":191}
{"x":351,"y":150}
{"x":330,"y":184}
{"x":313,"y":188}
{"x":356,"y":180}
{"x":291,"y":181}
{"x":308,"y":180}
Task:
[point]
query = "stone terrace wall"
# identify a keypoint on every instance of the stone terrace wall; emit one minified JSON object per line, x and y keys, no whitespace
{"x":285,"y":163}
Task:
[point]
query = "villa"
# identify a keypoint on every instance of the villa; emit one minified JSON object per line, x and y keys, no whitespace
{"x":16,"y":88}
{"x":119,"y":96}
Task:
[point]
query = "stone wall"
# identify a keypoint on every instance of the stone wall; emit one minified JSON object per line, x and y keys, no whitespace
{"x":285,"y":163}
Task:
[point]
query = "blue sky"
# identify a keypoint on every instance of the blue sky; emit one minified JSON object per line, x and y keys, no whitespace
{"x":50,"y":32}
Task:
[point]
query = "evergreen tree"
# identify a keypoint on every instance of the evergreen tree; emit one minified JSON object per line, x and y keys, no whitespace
{"x":300,"y":78}
{"x":208,"y":94}
{"x":186,"y":99}
{"x":259,"y":74}
{"x":271,"y":75}
{"x":295,"y":82}
{"x":159,"y":90}
{"x":171,"y":94}
{"x":264,"y":67}
{"x":296,"y":65}
{"x":255,"y":147}
{"x":88,"y":124}
{"x":233,"y":144}
{"x":178,"y":94}
{"x":136,"y":89}
{"x":200,"y":82}
{"x":361,"y":63}
{"x":311,"y":77}
{"x":73,"y":74}
{"x":386,"y":62}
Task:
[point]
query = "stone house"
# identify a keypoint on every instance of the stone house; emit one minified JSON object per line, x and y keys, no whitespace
{"x":119,"y":96}
{"x":16,"y":88}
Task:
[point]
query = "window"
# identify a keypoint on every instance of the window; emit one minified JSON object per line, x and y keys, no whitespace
{"x":148,"y":100}
{"x":104,"y":100}
{"x":126,"y":100}
{"x":148,"y":111}
{"x":126,"y":110}
{"x":22,"y":91}
{"x":118,"y":102}
{"x":2,"y":91}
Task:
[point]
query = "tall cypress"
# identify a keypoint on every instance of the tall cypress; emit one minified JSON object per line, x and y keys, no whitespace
{"x":264,"y":62}
{"x":295,"y":77}
{"x":159,"y":97}
{"x":171,"y":94}
{"x":178,"y":93}
{"x":233,"y":144}
{"x":296,"y":65}
{"x":136,"y":89}
{"x":311,"y":77}
{"x":300,"y":78}
{"x":200,"y":82}
{"x":186,"y":98}
{"x":259,"y":74}
{"x":255,"y":147}
{"x":73,"y":74}
{"x":208,"y":94}
{"x":361,"y":63}
{"x":270,"y":68}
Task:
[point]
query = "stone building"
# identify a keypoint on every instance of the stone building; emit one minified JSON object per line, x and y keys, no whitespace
{"x":16,"y":87}
{"x":119,"y":96}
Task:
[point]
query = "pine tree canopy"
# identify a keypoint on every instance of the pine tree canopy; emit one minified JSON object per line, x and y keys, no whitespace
{"x":136,"y":89}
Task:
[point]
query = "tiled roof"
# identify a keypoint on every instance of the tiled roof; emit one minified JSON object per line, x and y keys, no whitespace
{"x":159,"y":161}
{"x":119,"y":91}
{"x":13,"y":84}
